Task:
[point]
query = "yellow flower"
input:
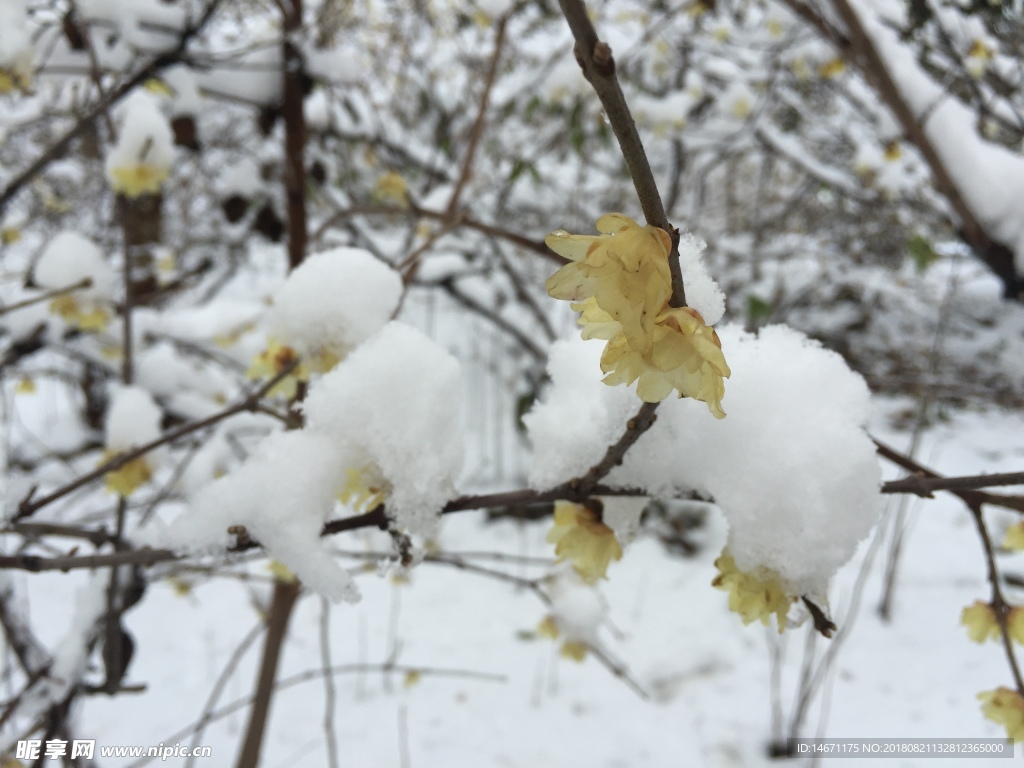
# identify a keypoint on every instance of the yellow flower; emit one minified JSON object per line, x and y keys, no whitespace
{"x":26,"y":386}
{"x":17,"y":74}
{"x":571,"y":649}
{"x":129,"y":477}
{"x":752,"y":596}
{"x":893,"y":151}
{"x":578,"y":535}
{"x":625,"y":270}
{"x":281,"y":572}
{"x":138,"y":179}
{"x":832,"y":68}
{"x":575,"y":650}
{"x":686,"y":355}
{"x":73,"y":312}
{"x":391,"y":187}
{"x":620,"y":283}
{"x":274,"y":359}
{"x":364,"y":489}
{"x":1014,"y":536}
{"x":981,"y":622}
{"x":548,"y":628}
{"x":1005,"y":706}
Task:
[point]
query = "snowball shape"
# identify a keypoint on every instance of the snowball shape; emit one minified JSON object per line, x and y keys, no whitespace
{"x":141,"y":160}
{"x":392,"y":410}
{"x":334,"y":301}
{"x":282,"y":494}
{"x":70,"y":258}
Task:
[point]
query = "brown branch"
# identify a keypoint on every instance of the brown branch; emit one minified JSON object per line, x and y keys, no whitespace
{"x":28,"y":506}
{"x":595,"y":59}
{"x":282,"y":605}
{"x":999,"y":604}
{"x":863,"y":54}
{"x":159,"y":62}
{"x":294,"y":135}
{"x":968,"y":496}
{"x":537,"y":246}
{"x":6,"y":308}
{"x":478,"y":126}
{"x":922,"y":485}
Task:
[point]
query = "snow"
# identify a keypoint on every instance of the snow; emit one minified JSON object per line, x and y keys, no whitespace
{"x":990,"y":177}
{"x":393,"y":405}
{"x":578,"y":608}
{"x":16,"y":52}
{"x":798,"y":510}
{"x":334,"y":301}
{"x":70,"y":258}
{"x":145,"y":139}
{"x":240,"y":178}
{"x":283,"y":495}
{"x":133,"y":418}
{"x":702,"y":292}
{"x":186,"y":99}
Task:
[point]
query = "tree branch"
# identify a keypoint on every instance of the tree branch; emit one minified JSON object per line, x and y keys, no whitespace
{"x":157,"y":63}
{"x":595,"y":59}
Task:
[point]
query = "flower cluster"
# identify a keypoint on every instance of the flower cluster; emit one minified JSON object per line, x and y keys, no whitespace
{"x":621,"y":284}
{"x":579,"y":535}
{"x":752,"y":596}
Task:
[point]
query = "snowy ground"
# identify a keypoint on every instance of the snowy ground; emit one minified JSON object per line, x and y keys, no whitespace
{"x":517,"y":703}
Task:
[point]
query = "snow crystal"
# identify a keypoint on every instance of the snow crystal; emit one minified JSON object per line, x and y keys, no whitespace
{"x":334,"y":301}
{"x":70,"y":258}
{"x":282,"y":494}
{"x":790,"y":466}
{"x":133,"y":419}
{"x":392,"y":408}
{"x":702,"y":292}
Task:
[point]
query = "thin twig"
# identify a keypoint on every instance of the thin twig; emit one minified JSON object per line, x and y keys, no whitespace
{"x":6,"y":308}
{"x":157,"y":63}
{"x":999,"y":604}
{"x":28,"y":506}
{"x":967,"y":495}
{"x":478,"y":125}
{"x":595,"y":59}
{"x":924,"y":486}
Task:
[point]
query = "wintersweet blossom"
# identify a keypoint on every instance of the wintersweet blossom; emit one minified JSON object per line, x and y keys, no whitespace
{"x":81,"y":315}
{"x":129,"y":477}
{"x":392,"y":188}
{"x":141,"y":160}
{"x":620,"y":283}
{"x":579,"y":535}
{"x":1005,"y":706}
{"x":571,"y":649}
{"x":982,"y":622}
{"x":365,"y":489}
{"x":272,"y":361}
{"x":625,"y":269}
{"x":686,"y":356}
{"x":1014,"y":538}
{"x":752,"y":596}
